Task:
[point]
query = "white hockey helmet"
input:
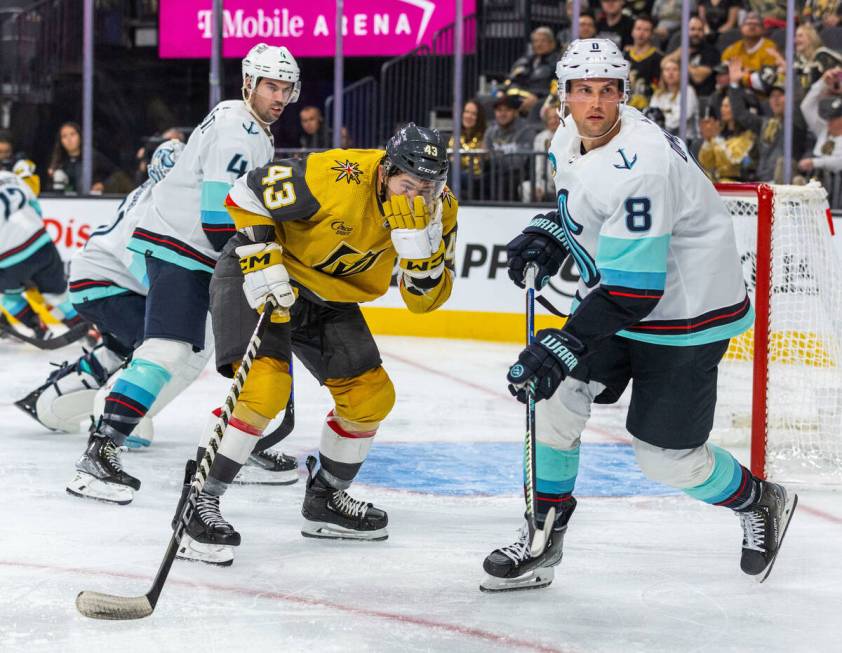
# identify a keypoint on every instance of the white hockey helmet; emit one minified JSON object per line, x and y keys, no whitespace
{"x":592,"y":59}
{"x":274,"y":62}
{"x":163,"y":159}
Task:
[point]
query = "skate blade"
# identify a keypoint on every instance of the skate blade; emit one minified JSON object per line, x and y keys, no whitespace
{"x":89,"y":487}
{"x":534,"y":580}
{"x":326,"y":531}
{"x":250,"y":475}
{"x":220,"y":555}
{"x":789,"y":510}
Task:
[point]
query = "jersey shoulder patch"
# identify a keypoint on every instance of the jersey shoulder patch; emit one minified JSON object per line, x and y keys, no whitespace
{"x":282,"y":189}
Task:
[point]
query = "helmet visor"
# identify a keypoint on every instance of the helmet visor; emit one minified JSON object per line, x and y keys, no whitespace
{"x":404,"y":183}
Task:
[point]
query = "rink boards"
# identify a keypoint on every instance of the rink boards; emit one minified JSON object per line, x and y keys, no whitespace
{"x":484,"y":305}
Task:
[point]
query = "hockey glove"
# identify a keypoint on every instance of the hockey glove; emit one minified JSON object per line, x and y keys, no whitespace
{"x":543,"y":244}
{"x":553,"y":356}
{"x":264,"y":275}
{"x":416,"y":235}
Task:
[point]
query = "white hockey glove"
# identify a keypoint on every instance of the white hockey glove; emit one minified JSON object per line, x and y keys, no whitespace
{"x":264,"y":276}
{"x":416,"y":234}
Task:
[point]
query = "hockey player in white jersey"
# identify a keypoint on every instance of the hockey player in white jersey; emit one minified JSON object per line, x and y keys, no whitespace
{"x":105,"y":293}
{"x":175,"y":246}
{"x":661,"y":294}
{"x":29,"y":259}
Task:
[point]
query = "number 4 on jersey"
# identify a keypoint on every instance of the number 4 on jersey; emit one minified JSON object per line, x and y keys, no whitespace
{"x":237,"y":165}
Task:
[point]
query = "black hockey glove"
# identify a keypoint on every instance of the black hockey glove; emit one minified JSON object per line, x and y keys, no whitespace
{"x":553,"y":356}
{"x":543,"y":244}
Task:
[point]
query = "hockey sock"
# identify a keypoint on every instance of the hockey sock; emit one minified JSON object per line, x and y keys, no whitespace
{"x":342,"y":451}
{"x":555,"y":478}
{"x":17,"y":306}
{"x":238,"y":441}
{"x":730,"y":484}
{"x":62,"y":302}
{"x":133,"y":394}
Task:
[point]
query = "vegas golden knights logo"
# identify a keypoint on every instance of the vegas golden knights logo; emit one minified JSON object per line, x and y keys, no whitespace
{"x":345,"y":261}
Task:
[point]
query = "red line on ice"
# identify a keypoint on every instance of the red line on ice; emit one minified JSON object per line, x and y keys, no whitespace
{"x":494,"y":393}
{"x":819,"y":513}
{"x":476,"y":633}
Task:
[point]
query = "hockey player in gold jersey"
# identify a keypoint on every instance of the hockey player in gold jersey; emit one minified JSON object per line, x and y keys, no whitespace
{"x":320,"y":235}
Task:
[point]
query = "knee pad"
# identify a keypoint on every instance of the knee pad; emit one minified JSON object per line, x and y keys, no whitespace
{"x":171,"y":355}
{"x":561,"y":419}
{"x":363,"y":401}
{"x":679,"y":468}
{"x":266,"y":390}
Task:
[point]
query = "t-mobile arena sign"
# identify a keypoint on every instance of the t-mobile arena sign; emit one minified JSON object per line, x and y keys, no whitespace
{"x":370,"y":27}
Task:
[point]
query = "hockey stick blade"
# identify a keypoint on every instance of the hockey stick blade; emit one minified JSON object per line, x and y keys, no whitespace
{"x":97,"y":605}
{"x":71,"y":336}
{"x":542,"y":535}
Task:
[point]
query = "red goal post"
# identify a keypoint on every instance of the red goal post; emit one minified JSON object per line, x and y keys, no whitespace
{"x":788,"y":369}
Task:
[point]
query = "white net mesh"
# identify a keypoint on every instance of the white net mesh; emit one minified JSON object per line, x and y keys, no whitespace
{"x":804,"y":388}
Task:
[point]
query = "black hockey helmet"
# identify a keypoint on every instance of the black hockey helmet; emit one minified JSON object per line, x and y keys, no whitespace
{"x":655,"y":115}
{"x":420,"y":151}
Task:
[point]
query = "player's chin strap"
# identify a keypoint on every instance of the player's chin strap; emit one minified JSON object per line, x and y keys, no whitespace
{"x":247,"y":99}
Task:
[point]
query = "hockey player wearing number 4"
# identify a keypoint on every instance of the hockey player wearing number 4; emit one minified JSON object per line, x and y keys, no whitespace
{"x":320,"y":236}
{"x":661,"y":293}
{"x":175,"y":246}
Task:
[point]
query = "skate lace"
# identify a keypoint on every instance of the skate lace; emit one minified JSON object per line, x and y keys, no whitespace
{"x":754,"y":530}
{"x":519,"y":551}
{"x":207,"y":506}
{"x":348,"y":505}
{"x":274,"y":456}
{"x":111,"y":453}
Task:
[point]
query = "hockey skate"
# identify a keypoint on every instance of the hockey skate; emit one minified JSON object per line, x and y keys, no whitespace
{"x":512,"y":567}
{"x":333,"y":514}
{"x":268,"y":468}
{"x":99,"y":474}
{"x":764,"y":525}
{"x":208,"y":537}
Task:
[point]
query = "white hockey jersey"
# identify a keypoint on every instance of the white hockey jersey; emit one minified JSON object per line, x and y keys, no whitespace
{"x":186,"y":223}
{"x":101,"y":268}
{"x":643,"y":221}
{"x":22,"y":230}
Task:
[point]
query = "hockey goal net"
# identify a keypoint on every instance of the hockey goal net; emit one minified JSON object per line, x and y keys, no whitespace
{"x":780,"y":385}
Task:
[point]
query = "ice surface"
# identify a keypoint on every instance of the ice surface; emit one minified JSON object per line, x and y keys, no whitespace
{"x":645,"y":569}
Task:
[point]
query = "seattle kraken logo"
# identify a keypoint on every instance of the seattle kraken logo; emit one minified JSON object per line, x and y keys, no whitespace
{"x":553,"y":166}
{"x":587,"y":267}
{"x":626,"y":164}
{"x":251,"y":128}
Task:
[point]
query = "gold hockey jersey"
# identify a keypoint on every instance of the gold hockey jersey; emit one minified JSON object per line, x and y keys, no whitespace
{"x":328,"y":219}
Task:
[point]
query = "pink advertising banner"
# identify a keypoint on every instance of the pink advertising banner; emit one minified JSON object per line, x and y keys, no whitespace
{"x":371,"y":27}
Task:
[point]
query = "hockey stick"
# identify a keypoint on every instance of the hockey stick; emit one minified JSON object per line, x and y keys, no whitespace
{"x":108,"y":606}
{"x":286,"y":425}
{"x":538,"y":537}
{"x":70,"y":336}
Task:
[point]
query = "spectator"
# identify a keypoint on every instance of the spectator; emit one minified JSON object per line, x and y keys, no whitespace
{"x":543,"y":184}
{"x":726,"y":149}
{"x":645,"y":60}
{"x":587,"y":26}
{"x":614,"y":24}
{"x":508,"y":134}
{"x":667,"y":15}
{"x":771,"y":12}
{"x":822,"y":13}
{"x":753,"y":49}
{"x":531,"y":75}
{"x":812,"y":59}
{"x":719,"y":15}
{"x":7,"y":151}
{"x":65,"y":168}
{"x":703,"y":58}
{"x":474,"y":125}
{"x":667,"y":98}
{"x":315,"y":136}
{"x":822,"y":109}
{"x":769,"y":129}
